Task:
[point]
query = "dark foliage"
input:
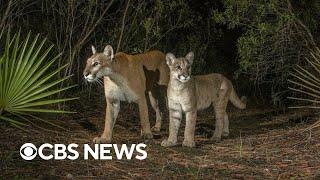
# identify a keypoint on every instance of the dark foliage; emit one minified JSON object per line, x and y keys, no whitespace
{"x":255,"y":42}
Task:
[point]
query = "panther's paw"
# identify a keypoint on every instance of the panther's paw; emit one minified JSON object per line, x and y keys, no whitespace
{"x":155,"y":129}
{"x":167,"y":143}
{"x":146,"y":136}
{"x":215,"y":139}
{"x":225,"y":134}
{"x":101,"y":140}
{"x":189,"y":144}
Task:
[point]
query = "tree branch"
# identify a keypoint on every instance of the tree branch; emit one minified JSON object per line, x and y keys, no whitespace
{"x":122,"y":27}
{"x":5,"y":15}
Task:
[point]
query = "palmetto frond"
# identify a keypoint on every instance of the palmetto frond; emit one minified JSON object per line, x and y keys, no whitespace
{"x":305,"y":83}
{"x":27,"y":81}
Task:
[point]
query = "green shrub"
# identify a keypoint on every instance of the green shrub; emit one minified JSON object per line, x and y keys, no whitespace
{"x":305,"y":83}
{"x":27,"y":81}
{"x":275,"y":36}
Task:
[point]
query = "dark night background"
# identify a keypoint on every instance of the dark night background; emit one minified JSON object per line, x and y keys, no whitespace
{"x":257,"y":44}
{"x":254,"y":43}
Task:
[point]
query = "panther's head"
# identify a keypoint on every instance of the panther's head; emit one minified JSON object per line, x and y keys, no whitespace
{"x":99,"y":64}
{"x":180,"y":68}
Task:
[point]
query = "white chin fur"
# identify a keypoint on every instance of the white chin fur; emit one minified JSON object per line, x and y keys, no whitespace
{"x":183,"y":79}
{"x":90,"y":78}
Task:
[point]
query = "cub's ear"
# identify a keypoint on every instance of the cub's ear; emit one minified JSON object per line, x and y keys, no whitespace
{"x":93,"y":49}
{"x":108,"y":51}
{"x":190,"y":57}
{"x":170,"y":59}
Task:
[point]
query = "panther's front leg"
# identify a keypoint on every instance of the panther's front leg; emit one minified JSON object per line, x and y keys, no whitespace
{"x":191,"y":118}
{"x":144,"y":118}
{"x":112,"y":111}
{"x":174,"y":124}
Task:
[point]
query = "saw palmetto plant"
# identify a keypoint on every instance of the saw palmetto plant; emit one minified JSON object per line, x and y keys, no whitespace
{"x":305,"y":83}
{"x":28,"y":83}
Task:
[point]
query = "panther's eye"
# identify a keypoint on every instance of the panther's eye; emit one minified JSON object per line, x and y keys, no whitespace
{"x":95,"y":64}
{"x":178,"y":67}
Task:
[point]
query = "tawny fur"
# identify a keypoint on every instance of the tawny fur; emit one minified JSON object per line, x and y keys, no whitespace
{"x":125,"y":79}
{"x":187,"y":94}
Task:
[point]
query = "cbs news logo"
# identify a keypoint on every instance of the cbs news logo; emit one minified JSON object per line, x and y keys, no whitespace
{"x":29,"y":151}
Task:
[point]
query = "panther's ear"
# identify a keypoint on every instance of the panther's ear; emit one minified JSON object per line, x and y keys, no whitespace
{"x":190,"y":57}
{"x":93,"y":49}
{"x":108,"y":51}
{"x":171,"y":59}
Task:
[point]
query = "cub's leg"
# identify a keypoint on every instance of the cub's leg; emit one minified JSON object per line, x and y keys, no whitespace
{"x":220,"y":111}
{"x":144,"y":118}
{"x":191,"y":118}
{"x":225,"y":126}
{"x":112,"y":111}
{"x":174,"y":124}
{"x":155,"y":105}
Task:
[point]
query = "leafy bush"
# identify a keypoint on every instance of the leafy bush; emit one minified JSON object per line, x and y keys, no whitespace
{"x":26,"y":82}
{"x":275,"y":38}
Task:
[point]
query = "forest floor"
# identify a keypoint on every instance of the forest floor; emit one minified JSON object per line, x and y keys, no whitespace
{"x":263,"y":144}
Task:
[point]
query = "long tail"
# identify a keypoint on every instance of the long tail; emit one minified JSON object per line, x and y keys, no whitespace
{"x":236,"y":101}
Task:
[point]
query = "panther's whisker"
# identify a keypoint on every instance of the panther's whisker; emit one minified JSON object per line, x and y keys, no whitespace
{"x":100,"y":82}
{"x":97,"y":82}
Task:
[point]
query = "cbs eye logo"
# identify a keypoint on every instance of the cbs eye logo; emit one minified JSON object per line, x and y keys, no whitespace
{"x":28,"y":151}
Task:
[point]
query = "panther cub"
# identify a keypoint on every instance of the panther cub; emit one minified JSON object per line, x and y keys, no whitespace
{"x":187,"y":94}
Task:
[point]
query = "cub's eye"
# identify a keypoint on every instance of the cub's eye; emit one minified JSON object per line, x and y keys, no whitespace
{"x":95,"y":64}
{"x":178,"y":67}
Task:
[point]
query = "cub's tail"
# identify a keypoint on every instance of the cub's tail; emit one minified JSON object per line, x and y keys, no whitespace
{"x":236,"y":101}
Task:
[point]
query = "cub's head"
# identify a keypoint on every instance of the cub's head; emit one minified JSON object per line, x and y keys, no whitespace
{"x":180,"y":68}
{"x":99,"y":64}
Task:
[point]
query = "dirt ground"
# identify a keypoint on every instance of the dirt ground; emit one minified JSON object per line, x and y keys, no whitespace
{"x":263,"y":144}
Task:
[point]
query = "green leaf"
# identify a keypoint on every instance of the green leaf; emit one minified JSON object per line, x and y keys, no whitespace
{"x":27,"y":79}
{"x":305,"y":82}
